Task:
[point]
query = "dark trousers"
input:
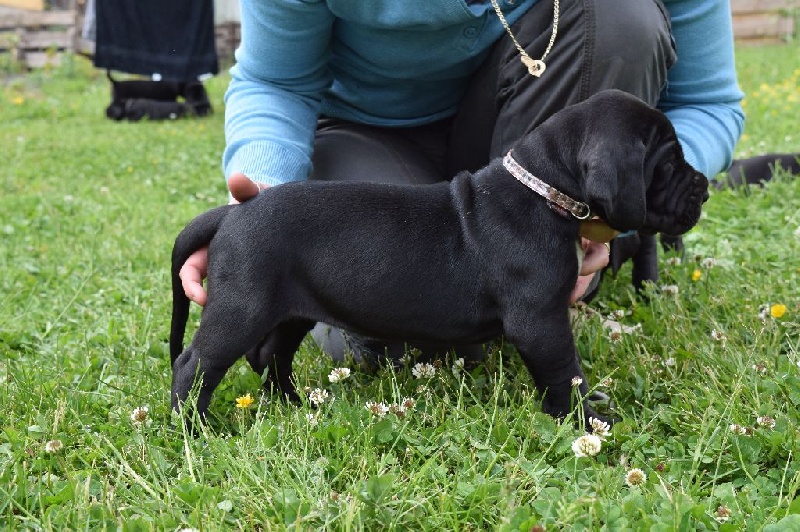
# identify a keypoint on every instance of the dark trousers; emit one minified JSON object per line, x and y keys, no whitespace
{"x":601,"y":44}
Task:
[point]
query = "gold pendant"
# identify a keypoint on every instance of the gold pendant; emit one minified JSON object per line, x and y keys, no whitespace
{"x":535,"y":66}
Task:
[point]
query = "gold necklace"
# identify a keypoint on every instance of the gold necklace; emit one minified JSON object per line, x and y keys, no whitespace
{"x":535,"y":66}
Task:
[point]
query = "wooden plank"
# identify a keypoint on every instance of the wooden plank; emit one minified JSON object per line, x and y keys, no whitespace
{"x":760,"y":41}
{"x":44,"y":39}
{"x":24,"y":4}
{"x":31,"y":19}
{"x":762,"y":25}
{"x":762,"y":6}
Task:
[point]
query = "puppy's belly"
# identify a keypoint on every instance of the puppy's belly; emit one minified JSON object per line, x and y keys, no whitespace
{"x":401,"y":315}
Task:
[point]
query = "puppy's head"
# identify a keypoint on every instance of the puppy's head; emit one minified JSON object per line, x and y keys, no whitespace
{"x":633,"y":170}
{"x":625,"y":162}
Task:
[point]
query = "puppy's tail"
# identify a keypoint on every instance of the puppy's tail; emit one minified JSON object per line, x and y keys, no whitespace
{"x":197,"y":234}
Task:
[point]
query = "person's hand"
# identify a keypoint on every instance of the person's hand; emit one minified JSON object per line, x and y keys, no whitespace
{"x":195,"y":269}
{"x":595,"y":258}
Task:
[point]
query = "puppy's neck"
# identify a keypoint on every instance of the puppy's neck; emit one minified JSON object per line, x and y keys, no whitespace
{"x":556,"y":200}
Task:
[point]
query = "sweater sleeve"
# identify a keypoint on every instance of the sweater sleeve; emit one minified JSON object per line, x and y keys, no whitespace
{"x":702,"y":97}
{"x":273,"y":101}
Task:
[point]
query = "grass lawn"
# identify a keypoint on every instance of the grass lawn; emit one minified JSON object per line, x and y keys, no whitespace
{"x":707,"y":383}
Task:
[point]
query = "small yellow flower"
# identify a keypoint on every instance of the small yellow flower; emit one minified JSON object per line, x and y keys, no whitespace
{"x":777,"y":310}
{"x":696,"y":275}
{"x":244,"y":401}
{"x":18,"y":100}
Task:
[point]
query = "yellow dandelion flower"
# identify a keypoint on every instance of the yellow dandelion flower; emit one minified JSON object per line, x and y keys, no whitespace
{"x":696,"y":275}
{"x":18,"y":100}
{"x":777,"y":310}
{"x":244,"y":401}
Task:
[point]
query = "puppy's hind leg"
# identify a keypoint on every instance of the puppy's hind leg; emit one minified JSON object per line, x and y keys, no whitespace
{"x":227,"y":330}
{"x":275,"y":354}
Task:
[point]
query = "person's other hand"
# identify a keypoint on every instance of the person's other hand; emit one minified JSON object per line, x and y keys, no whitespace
{"x":195,"y":269}
{"x":595,"y":258}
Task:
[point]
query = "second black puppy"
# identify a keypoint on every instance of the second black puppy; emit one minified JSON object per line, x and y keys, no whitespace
{"x":458,"y":262}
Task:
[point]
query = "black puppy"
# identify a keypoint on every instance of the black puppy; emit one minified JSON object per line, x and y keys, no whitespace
{"x":758,"y":170}
{"x":458,"y":262}
{"x":135,"y":99}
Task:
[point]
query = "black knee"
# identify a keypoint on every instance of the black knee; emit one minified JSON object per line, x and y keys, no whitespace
{"x":631,"y":46}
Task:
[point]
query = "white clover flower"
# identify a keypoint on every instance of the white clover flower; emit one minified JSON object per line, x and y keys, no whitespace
{"x":587,"y":445}
{"x":738,"y":429}
{"x":338,"y":374}
{"x":423,"y":370}
{"x":718,"y":336}
{"x":669,"y":362}
{"x":139,"y":415}
{"x":53,"y":446}
{"x":722,"y":514}
{"x":797,"y":232}
{"x":377,"y":409}
{"x":458,"y":367}
{"x":760,"y":369}
{"x":670,"y":289}
{"x":398,"y":410}
{"x":674,"y":261}
{"x":635,"y":477}
{"x":600,"y":428}
{"x":614,"y":336}
{"x":318,"y":396}
{"x":617,"y":315}
{"x":312,"y":420}
{"x":767,"y":422}
{"x":576,"y":381}
{"x":708,"y":263}
{"x":408,"y":403}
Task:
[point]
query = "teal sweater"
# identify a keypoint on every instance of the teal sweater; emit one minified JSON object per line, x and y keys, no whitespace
{"x":406,"y":62}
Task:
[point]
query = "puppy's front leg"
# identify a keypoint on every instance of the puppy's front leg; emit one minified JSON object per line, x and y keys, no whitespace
{"x":547,"y":347}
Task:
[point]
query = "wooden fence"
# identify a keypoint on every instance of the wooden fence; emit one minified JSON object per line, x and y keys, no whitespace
{"x":39,"y":38}
{"x":765,"y":21}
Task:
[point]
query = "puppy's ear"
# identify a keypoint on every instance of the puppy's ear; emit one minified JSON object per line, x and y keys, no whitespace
{"x":613,"y":184}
